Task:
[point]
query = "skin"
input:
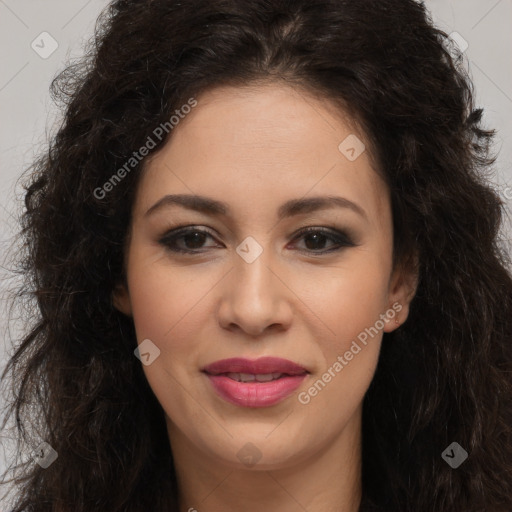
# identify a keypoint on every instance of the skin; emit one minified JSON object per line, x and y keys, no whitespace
{"x":255,"y":148}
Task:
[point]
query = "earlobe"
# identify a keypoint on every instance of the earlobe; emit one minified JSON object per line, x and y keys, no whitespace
{"x":121,"y":299}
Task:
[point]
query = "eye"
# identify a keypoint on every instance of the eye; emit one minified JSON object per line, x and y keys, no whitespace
{"x":315,"y":239}
{"x":192,"y":237}
{"x":190,"y":240}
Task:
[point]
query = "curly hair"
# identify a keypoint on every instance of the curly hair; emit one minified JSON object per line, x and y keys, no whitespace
{"x":444,"y":376}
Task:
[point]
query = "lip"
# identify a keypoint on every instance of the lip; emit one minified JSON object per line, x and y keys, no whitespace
{"x":255,"y":394}
{"x":262,"y":365}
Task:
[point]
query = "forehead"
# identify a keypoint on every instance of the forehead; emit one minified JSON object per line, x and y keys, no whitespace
{"x":263,"y":144}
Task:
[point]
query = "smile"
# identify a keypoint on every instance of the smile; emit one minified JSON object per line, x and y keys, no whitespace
{"x":260,"y":383}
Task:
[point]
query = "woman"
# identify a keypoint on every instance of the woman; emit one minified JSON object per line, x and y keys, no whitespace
{"x":266,"y":264}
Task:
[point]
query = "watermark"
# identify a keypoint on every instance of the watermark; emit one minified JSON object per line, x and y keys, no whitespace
{"x":455,"y":45}
{"x":44,"y":45}
{"x":249,"y":249}
{"x":304,"y":397}
{"x":507,"y":192}
{"x":454,"y":455}
{"x":351,"y":147}
{"x":147,"y":352}
{"x":249,"y":454}
{"x":137,"y":156}
{"x":460,"y":43}
{"x":44,"y":455}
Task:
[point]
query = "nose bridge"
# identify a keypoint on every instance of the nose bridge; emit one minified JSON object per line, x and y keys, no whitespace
{"x":254,"y":280}
{"x":254,"y":297}
{"x":254,"y":284}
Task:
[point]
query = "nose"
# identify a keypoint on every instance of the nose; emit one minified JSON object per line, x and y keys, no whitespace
{"x":255,"y":298}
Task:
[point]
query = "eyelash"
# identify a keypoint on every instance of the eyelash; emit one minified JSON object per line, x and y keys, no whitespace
{"x":342,"y":239}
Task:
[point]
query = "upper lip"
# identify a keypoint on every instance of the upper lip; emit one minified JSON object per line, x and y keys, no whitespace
{"x":261,"y":366}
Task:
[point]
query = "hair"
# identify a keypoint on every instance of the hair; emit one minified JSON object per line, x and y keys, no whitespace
{"x":444,"y":376}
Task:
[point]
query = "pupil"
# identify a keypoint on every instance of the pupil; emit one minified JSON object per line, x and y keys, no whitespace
{"x":316,"y":238}
{"x":197,"y":239}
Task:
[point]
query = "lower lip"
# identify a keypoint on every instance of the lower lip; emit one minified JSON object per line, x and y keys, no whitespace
{"x":255,"y":394}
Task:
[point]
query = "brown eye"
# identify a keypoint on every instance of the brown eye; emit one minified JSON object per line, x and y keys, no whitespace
{"x":185,"y":240}
{"x":316,"y":238}
{"x":190,"y":240}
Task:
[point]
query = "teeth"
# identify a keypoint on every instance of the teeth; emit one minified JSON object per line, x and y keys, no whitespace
{"x":267,"y":377}
{"x":249,"y":377}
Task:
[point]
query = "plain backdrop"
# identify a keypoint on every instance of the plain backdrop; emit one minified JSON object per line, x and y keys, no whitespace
{"x":39,"y":37}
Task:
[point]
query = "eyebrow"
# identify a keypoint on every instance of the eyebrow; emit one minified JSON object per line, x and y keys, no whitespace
{"x":292,"y":207}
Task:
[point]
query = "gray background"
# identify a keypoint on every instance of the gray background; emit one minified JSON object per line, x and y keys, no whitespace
{"x":28,"y":115}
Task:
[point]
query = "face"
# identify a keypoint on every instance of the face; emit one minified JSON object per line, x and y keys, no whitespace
{"x":263,"y":266}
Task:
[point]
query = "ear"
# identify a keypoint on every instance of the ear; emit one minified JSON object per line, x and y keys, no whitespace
{"x":403,"y":287}
{"x":121,"y":299}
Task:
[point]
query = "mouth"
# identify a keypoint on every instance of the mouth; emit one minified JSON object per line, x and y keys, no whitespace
{"x":251,"y":377}
{"x":260,"y":383}
{"x":263,"y":367}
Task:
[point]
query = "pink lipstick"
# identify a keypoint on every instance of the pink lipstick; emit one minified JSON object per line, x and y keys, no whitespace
{"x":259,"y":383}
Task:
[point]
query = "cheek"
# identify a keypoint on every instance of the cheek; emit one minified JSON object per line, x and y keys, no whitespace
{"x":163,"y":296}
{"x":352,"y":296}
{"x":350,"y":304}
{"x":167,"y":309}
